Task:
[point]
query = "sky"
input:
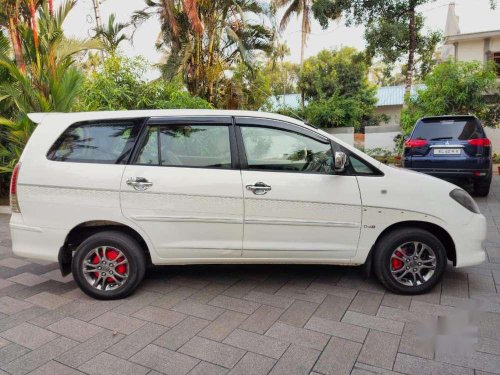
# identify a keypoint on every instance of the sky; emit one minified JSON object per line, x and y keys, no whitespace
{"x":475,"y":15}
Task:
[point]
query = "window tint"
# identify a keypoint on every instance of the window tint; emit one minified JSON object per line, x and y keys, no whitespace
{"x":454,"y":129}
{"x":187,"y":146}
{"x":280,"y":150}
{"x":99,"y":142}
{"x":149,"y":153}
{"x":360,"y":167}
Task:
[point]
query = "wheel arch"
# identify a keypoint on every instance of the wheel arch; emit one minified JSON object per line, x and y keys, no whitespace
{"x":435,"y":229}
{"x":84,"y":230}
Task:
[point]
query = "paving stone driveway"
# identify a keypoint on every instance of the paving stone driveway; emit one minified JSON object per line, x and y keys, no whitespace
{"x":251,"y":320}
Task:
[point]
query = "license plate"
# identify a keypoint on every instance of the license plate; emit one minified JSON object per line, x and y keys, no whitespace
{"x":446,"y":151}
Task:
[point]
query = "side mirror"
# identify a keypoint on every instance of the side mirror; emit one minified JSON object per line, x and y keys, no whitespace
{"x":340,"y":161}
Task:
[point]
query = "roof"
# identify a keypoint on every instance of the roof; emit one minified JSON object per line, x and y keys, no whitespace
{"x":103,"y":115}
{"x":394,"y":95}
{"x":450,"y":39}
{"x":386,"y":96}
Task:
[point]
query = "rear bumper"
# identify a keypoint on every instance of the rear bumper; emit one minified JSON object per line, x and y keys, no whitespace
{"x":35,"y":242}
{"x":469,"y":242}
{"x":453,"y":173}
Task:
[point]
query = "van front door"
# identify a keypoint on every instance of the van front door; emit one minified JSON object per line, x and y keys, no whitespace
{"x":184,"y":190}
{"x":295,"y":206}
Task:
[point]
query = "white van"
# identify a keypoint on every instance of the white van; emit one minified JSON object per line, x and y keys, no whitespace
{"x":106,"y":193}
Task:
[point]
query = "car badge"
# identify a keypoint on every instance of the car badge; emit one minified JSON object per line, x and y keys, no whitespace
{"x":447,"y":143}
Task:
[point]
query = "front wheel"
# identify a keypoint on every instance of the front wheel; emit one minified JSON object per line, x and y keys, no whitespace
{"x":108,"y":265}
{"x":409,"y":261}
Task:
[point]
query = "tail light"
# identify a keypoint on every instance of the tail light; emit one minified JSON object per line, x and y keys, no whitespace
{"x":413,"y":143}
{"x":480,"y":142}
{"x":14,"y":203}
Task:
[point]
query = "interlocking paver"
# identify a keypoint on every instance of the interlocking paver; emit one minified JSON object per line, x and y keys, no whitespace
{"x":9,"y":305}
{"x":296,"y":360}
{"x":164,"y":360}
{"x":29,"y":335}
{"x":212,"y":351}
{"x":39,"y":357}
{"x":246,"y":319}
{"x":75,"y":329}
{"x":253,"y":364}
{"x":420,"y":366}
{"x":263,"y":318}
{"x":159,"y":316}
{"x":338,"y":357}
{"x":299,"y":336}
{"x":174,"y":338}
{"x":106,"y":364}
{"x":137,"y":341}
{"x":223,"y":325}
{"x":256,"y":343}
{"x":235,"y":304}
{"x":339,"y":329}
{"x":298,"y":313}
{"x":197,"y":309}
{"x":48,"y":300}
{"x":380,"y":349}
{"x":374,"y":322}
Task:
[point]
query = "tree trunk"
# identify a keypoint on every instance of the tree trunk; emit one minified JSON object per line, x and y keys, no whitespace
{"x":16,"y":44}
{"x":302,"y":50}
{"x":411,"y":50}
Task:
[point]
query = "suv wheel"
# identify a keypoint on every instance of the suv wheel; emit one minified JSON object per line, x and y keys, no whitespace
{"x":108,"y":265}
{"x":482,"y":186}
{"x":409,"y":261}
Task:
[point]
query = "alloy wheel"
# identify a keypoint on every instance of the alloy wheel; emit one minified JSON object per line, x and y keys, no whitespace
{"x":106,"y":268}
{"x":413,"y":263}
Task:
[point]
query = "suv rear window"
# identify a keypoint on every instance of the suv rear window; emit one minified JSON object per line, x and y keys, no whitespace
{"x":461,"y":128}
{"x":106,"y":142}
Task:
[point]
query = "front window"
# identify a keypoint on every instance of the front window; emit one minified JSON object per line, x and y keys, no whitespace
{"x":202,"y":146}
{"x":280,"y":150}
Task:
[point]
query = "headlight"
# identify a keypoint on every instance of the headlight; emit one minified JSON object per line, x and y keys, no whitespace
{"x":462,"y":197}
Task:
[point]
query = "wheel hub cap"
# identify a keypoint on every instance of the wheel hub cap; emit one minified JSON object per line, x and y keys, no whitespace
{"x":413,"y":263}
{"x":105,"y":268}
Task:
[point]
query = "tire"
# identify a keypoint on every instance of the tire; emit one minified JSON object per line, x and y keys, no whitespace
{"x":388,"y":269}
{"x":122,"y":277}
{"x":482,"y":187}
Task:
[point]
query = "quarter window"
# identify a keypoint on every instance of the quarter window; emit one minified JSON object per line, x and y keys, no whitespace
{"x":202,"y":146}
{"x":280,"y":150}
{"x":97,"y":142}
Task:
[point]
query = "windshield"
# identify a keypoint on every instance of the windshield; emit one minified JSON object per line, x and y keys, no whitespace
{"x":461,"y":129}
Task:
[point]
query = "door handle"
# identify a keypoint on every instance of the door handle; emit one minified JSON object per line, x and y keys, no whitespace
{"x":259,"y":188}
{"x":139,"y":183}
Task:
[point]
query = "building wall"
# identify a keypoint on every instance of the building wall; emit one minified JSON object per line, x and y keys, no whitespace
{"x":495,"y":45}
{"x":471,"y":50}
{"x":393,"y":111}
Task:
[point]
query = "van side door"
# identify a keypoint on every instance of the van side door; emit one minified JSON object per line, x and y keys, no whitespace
{"x":183,"y":188}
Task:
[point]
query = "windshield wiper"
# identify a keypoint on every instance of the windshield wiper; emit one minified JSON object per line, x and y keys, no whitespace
{"x":440,"y":138}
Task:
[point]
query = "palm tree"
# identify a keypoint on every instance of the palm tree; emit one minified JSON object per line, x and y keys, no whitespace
{"x":298,"y":7}
{"x":112,"y":34}
{"x":48,"y":82}
{"x":203,"y":44}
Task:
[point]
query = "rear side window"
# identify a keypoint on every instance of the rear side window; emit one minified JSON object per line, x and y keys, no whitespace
{"x":106,"y":142}
{"x":201,"y":146}
{"x":461,"y":129}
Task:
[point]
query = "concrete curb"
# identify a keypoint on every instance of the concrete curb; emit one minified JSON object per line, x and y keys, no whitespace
{"x":5,"y":210}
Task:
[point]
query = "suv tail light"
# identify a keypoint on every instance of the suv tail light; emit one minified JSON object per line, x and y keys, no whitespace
{"x":481,"y":142}
{"x":14,"y":203}
{"x":412,"y":143}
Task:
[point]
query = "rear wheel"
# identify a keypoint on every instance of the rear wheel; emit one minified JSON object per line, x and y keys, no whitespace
{"x":409,"y":261}
{"x":108,"y":265}
{"x":482,"y":186}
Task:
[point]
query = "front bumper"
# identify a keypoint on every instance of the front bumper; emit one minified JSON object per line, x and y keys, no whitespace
{"x":469,"y":242}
